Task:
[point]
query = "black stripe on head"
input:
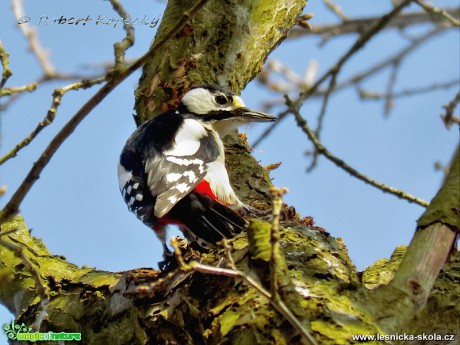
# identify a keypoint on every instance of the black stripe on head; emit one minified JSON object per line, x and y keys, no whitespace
{"x":222,"y":115}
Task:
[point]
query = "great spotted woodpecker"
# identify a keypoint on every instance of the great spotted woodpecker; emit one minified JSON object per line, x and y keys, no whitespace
{"x":172,"y":168}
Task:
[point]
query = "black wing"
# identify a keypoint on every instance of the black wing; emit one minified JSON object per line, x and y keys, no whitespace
{"x":164,"y":160}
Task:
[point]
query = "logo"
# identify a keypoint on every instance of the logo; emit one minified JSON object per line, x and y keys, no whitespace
{"x":23,"y":333}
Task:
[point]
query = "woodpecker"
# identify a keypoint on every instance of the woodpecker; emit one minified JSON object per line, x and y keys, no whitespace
{"x":172,"y":169}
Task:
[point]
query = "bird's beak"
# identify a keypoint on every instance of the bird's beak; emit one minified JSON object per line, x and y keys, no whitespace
{"x":255,"y":116}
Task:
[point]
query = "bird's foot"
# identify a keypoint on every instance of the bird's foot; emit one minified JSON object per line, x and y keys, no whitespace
{"x":169,"y":263}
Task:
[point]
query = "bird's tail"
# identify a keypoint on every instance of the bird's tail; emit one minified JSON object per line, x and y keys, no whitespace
{"x":207,"y":220}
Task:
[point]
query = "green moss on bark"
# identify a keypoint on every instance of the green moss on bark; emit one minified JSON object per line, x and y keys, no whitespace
{"x":445,"y":206}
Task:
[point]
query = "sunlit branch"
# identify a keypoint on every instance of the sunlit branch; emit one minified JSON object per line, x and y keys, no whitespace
{"x":389,"y":97}
{"x":438,"y":12}
{"x":6,"y":72}
{"x":128,"y":41}
{"x":40,"y":286}
{"x":8,"y":91}
{"x":337,"y":10}
{"x":50,"y":115}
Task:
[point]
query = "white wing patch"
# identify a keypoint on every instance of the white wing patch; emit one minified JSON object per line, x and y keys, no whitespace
{"x":182,"y":187}
{"x":187,"y":140}
{"x":179,"y":169}
{"x":183,"y":184}
{"x":187,"y":162}
{"x":191,"y":176}
{"x":173,"y":177}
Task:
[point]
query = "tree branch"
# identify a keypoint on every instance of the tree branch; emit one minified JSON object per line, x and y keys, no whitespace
{"x":361,"y":25}
{"x":128,"y":41}
{"x":448,"y":116}
{"x":31,"y":36}
{"x":439,"y":13}
{"x":302,"y":123}
{"x":6,"y":72}
{"x":49,"y":118}
{"x":437,"y":230}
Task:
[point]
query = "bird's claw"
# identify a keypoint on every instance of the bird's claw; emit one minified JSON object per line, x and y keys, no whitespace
{"x":170,"y":262}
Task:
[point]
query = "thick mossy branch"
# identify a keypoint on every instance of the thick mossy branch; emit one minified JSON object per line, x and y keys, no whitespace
{"x":139,"y":306}
{"x":445,"y":206}
{"x":429,"y":249}
{"x":250,"y":180}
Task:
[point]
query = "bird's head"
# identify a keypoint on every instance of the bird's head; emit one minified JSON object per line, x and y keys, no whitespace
{"x":219,"y":109}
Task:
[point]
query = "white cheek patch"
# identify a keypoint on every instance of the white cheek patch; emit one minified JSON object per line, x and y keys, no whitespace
{"x":199,"y":101}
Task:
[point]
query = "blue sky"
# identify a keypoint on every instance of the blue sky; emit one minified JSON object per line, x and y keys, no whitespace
{"x":76,"y":207}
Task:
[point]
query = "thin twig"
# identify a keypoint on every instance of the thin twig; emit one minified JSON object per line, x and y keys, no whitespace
{"x":337,"y":10}
{"x":389,"y":99}
{"x":8,"y":91}
{"x":128,"y":41}
{"x":6,"y":72}
{"x":321,"y":116}
{"x":12,"y":207}
{"x":415,"y":43}
{"x":302,"y":123}
{"x":369,"y":72}
{"x":356,"y":26}
{"x":358,"y":45}
{"x":448,"y":117}
{"x":357,"y":78}
{"x":438,"y":12}
{"x":369,"y":95}
{"x":31,"y":36}
{"x":14,"y":94}
{"x":40,"y":286}
{"x":49,"y":118}
{"x":335,"y":70}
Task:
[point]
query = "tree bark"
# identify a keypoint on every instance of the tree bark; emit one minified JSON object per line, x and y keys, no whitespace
{"x":225,"y":44}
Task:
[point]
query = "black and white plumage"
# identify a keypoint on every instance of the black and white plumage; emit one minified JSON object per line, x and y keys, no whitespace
{"x":172,"y":168}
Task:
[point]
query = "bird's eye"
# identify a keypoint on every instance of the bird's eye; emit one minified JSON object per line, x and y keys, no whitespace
{"x":221,"y":100}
